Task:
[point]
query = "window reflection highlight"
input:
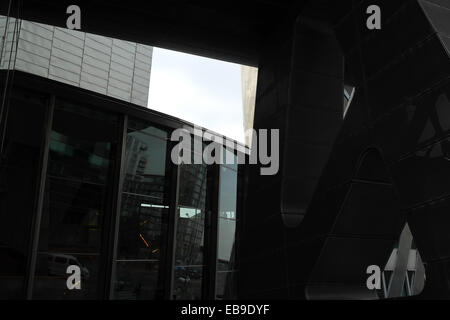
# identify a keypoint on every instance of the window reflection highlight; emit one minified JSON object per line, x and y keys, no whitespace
{"x":144,"y":215}
{"x":190,"y":233}
{"x":226,"y":234}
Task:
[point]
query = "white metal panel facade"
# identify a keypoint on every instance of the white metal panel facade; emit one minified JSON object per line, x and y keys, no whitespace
{"x":112,"y":67}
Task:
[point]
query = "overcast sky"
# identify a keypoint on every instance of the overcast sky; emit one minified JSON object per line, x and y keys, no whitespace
{"x":204,"y":91}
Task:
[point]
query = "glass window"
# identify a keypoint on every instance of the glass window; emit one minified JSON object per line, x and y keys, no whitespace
{"x":137,"y":280}
{"x":226,"y":234}
{"x":19,"y":169}
{"x":188,"y":282}
{"x":143,"y":221}
{"x":190,"y":233}
{"x":76,"y":207}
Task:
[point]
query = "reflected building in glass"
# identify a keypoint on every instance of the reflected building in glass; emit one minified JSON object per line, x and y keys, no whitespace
{"x":86,"y":179}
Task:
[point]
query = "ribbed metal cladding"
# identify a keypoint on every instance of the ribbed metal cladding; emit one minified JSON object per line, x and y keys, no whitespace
{"x":113,"y":67}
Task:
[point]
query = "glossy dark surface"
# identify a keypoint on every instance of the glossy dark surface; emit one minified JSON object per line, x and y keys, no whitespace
{"x":19,"y":168}
{"x":388,"y":165}
{"x":190,"y":234}
{"x":143,"y":223}
{"x":226,"y":234}
{"x":109,"y":202}
{"x":78,"y":185}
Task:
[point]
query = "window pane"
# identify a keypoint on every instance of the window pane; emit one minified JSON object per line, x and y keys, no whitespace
{"x":78,"y":186}
{"x":226,"y":285}
{"x":188,"y":283}
{"x":19,"y":170}
{"x":144,"y":214}
{"x":137,"y":281}
{"x":226,"y":251}
{"x":142,"y":229}
{"x":227,"y":218}
{"x":190,"y":236}
{"x":189,"y":252}
{"x":81,"y":143}
{"x":191,"y":215}
{"x":145,"y":164}
{"x":192,"y":193}
{"x":73,"y":216}
{"x":52,"y":280}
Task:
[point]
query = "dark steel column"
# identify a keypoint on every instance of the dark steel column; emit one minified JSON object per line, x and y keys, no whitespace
{"x":211,"y":226}
{"x":172,"y":227}
{"x":36,"y":224}
{"x":113,"y":232}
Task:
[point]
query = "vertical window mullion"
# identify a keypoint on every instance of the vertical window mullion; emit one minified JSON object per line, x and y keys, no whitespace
{"x":36,"y":225}
{"x":211,"y":242}
{"x":117,"y":194}
{"x":172,"y":229}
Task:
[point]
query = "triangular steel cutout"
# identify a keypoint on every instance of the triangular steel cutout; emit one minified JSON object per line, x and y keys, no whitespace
{"x":404,"y":272}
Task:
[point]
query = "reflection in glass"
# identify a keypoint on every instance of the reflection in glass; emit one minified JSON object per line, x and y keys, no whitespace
{"x":187,"y":282}
{"x":73,"y":216}
{"x":226,"y":285}
{"x":136,"y":280}
{"x":189,"y":251}
{"x":143,"y":225}
{"x":226,"y":251}
{"x":52,"y":280}
{"x":145,"y":162}
{"x":144,"y":214}
{"x":78,"y":184}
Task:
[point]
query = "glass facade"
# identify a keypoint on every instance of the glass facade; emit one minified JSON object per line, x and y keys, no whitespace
{"x":85,"y":182}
